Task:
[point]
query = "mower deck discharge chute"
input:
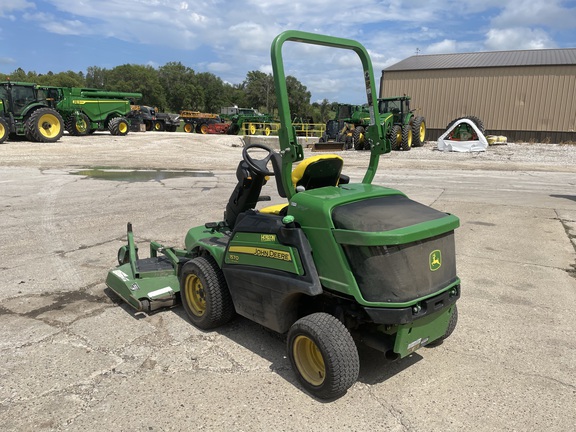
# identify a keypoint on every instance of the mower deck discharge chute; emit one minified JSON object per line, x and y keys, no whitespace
{"x":340,"y":263}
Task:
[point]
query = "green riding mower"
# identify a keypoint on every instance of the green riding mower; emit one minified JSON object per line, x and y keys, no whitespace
{"x":338,"y":264}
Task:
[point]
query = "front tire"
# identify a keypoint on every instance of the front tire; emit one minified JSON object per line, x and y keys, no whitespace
{"x":44,"y":125}
{"x":205,"y":296}
{"x":323,"y":355}
{"x":78,"y":125}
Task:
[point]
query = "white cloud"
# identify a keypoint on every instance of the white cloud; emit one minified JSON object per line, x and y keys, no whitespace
{"x":519,"y":38}
{"x":7,"y":61}
{"x":443,"y":47}
{"x":218,"y":67}
{"x":530,"y":13}
{"x":230,"y":38}
{"x":14,"y":5}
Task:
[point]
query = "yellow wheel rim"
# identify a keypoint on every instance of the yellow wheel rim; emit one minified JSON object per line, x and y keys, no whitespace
{"x":81,"y":125}
{"x":2,"y":130}
{"x":123,"y":127}
{"x":187,"y":128}
{"x":309,"y":360}
{"x":49,"y":125}
{"x":204,"y":129}
{"x":267,"y":130}
{"x":422,"y":131}
{"x":399,"y":137}
{"x":195,"y":295}
{"x":157,"y":126}
{"x":409,"y":138}
{"x":252,"y":129}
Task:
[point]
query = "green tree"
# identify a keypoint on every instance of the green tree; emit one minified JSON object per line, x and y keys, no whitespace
{"x":137,"y":78}
{"x":259,"y":90}
{"x":180,"y":86}
{"x":62,"y":79}
{"x":96,"y":77}
{"x":216,"y":93}
{"x":298,"y":98}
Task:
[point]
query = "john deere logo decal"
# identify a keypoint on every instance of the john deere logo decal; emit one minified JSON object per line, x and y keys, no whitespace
{"x":435,"y":260}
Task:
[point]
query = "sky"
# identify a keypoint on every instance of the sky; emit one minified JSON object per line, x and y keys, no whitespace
{"x":231,"y":38}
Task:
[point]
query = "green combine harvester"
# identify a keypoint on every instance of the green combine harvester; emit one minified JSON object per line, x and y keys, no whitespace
{"x":338,"y":264}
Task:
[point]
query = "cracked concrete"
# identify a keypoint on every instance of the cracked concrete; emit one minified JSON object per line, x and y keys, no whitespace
{"x":73,"y":357}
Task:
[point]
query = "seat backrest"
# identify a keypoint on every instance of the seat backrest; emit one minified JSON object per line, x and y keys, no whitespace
{"x":318,"y":171}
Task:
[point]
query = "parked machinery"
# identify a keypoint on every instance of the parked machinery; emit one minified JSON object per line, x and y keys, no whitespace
{"x":339,"y":263}
{"x":408,"y":130}
{"x":246,"y":118}
{"x":154,"y":120}
{"x":204,"y":123}
{"x":26,"y":112}
{"x":87,"y":110}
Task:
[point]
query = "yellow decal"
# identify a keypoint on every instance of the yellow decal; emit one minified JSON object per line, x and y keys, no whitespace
{"x":262,"y":252}
{"x":267,"y":237}
{"x":435,"y":260}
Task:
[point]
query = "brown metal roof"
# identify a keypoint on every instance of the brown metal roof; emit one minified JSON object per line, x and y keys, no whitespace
{"x":544,"y":57}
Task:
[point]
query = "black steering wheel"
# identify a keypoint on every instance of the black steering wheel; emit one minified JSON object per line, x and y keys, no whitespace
{"x":259,"y":166}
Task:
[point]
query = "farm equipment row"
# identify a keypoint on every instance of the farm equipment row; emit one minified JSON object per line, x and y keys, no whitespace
{"x":348,"y":129}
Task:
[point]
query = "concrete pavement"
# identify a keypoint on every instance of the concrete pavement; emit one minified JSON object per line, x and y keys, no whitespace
{"x":74,"y":358}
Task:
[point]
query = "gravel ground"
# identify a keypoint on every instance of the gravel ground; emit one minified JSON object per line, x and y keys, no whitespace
{"x":73,"y":357}
{"x":191,"y":151}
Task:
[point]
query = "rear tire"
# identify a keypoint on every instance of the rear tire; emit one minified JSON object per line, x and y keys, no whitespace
{"x":158,"y":126}
{"x":4,"y":130}
{"x":396,"y":137}
{"x":406,"y":137}
{"x":418,"y":131}
{"x":323,"y":355}
{"x":44,"y":125}
{"x":188,"y":127}
{"x":358,"y":138}
{"x":205,"y":296}
{"x":119,"y":126}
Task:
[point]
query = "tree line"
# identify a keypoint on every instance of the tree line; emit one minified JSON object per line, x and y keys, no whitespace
{"x":175,"y":87}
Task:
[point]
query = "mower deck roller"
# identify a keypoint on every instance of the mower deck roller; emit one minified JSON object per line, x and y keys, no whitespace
{"x":337,"y":265}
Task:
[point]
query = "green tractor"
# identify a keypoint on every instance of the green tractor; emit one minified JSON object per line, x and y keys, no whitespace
{"x":347,"y":129}
{"x":249,"y":119}
{"x":408,"y":130}
{"x":87,"y":110}
{"x":338,"y":264}
{"x":25,"y":112}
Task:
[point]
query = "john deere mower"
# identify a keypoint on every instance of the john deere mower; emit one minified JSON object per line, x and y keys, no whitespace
{"x":338,"y":264}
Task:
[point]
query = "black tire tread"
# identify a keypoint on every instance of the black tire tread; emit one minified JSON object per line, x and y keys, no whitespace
{"x":416,"y":123}
{"x":338,"y":351}
{"x":219,"y":306}
{"x":6,"y":130}
{"x":32,"y":130}
{"x":357,"y":138}
{"x":407,"y":137}
{"x":114,"y":125}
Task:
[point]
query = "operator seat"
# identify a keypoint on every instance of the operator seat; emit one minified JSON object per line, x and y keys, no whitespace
{"x":245,"y":195}
{"x":312,"y":173}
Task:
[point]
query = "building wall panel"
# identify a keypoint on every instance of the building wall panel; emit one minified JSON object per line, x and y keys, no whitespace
{"x":523,"y":98}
